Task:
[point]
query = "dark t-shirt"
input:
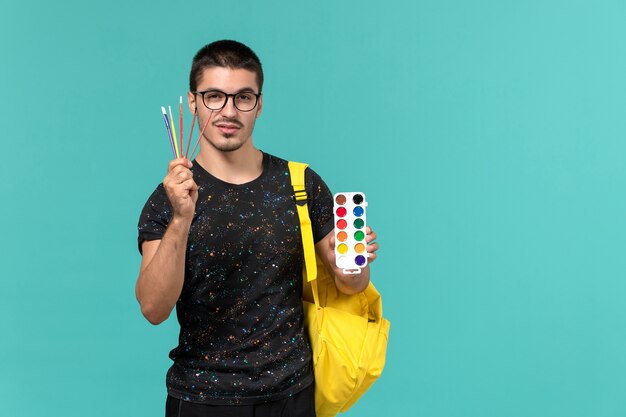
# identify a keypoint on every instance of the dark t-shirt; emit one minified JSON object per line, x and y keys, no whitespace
{"x":242,"y":339}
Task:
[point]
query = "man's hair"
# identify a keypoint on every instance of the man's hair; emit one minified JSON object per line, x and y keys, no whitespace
{"x":227,"y":54}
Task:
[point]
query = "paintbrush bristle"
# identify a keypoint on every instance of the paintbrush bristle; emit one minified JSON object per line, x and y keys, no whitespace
{"x":163,"y":110}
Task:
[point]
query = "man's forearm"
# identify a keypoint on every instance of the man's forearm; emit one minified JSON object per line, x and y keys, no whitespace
{"x":160,"y":282}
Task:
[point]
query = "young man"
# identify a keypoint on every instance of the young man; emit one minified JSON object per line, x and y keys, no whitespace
{"x":220,"y":240}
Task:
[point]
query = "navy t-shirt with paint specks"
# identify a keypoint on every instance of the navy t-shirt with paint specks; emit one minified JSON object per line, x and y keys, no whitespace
{"x":242,"y":339}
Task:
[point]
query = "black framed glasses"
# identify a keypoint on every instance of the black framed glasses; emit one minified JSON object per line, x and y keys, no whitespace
{"x":216,"y":99}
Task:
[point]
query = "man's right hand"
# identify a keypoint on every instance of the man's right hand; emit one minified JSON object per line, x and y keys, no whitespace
{"x":181,"y":189}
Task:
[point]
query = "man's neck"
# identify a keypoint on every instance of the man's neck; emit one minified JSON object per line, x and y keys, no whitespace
{"x":236,"y":167}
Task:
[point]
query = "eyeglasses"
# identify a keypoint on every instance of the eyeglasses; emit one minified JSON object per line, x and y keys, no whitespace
{"x":216,"y":99}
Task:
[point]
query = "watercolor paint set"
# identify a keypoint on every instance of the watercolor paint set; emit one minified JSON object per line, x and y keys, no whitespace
{"x":350,"y":223}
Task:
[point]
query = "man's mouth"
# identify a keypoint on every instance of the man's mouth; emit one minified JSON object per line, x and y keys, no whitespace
{"x":227,"y":127}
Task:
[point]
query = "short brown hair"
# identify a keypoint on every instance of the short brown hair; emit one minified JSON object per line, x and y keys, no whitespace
{"x":227,"y":54}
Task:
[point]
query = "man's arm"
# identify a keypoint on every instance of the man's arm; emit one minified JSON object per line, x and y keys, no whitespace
{"x":162,"y":271}
{"x":347,"y":283}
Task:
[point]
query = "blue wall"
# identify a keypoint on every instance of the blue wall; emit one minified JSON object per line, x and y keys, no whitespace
{"x":489,"y":137}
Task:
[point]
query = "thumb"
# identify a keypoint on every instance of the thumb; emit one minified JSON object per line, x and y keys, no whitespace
{"x":193,"y":192}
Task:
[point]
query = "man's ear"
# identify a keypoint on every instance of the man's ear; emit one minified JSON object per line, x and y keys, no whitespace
{"x":191,"y":102}
{"x":259,"y":106}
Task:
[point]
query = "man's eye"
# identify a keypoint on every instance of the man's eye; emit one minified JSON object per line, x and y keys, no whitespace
{"x":244,"y":97}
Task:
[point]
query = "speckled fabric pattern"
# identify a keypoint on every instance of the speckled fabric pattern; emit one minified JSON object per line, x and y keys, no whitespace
{"x":242,"y":339}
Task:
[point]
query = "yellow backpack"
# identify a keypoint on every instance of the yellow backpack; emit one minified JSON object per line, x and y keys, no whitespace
{"x":347,"y":332}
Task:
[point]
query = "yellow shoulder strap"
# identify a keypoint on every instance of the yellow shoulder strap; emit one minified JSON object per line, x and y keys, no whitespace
{"x":296,"y":171}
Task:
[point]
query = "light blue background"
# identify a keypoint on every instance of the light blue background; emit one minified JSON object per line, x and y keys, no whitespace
{"x":489,"y":137}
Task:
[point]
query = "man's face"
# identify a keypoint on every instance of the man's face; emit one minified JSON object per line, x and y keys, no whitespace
{"x":229,"y":128}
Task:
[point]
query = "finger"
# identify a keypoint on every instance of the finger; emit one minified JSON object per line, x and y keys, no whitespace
{"x":174,"y":163}
{"x":182,"y":161}
{"x":189,"y":185}
{"x":193,"y":193}
{"x":183,"y":175}
{"x":371,"y":237}
{"x":371,"y":257}
{"x":178,"y":168}
{"x":179,"y":174}
{"x":174,"y":181}
{"x":372,"y":248}
{"x":183,"y":191}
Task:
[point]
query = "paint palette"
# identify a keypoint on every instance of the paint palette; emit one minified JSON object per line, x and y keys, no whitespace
{"x":350,"y":245}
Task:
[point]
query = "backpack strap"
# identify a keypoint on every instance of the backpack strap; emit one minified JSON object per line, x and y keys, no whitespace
{"x":296,"y":171}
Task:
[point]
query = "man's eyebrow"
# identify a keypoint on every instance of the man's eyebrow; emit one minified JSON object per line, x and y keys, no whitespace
{"x":241,"y":90}
{"x":246,"y":90}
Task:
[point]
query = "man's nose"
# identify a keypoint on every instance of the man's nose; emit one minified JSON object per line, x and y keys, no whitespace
{"x":229,"y":109}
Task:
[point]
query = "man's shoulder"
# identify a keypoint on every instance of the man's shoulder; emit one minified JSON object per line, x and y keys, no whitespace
{"x":276,"y":160}
{"x":282,"y":163}
{"x":278,"y":165}
{"x":158,"y":195}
